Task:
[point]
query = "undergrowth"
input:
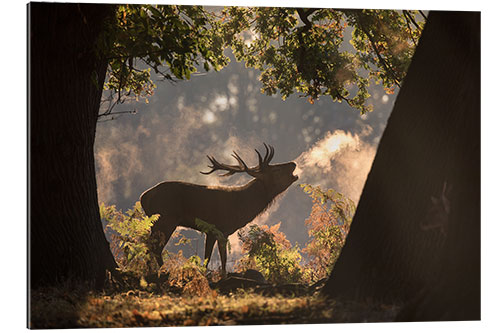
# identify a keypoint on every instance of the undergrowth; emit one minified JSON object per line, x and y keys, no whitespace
{"x":179,"y":293}
{"x":264,"y":248}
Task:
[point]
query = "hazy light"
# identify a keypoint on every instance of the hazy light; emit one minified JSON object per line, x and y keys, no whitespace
{"x":273,"y":117}
{"x":208,"y":117}
{"x":221,"y":103}
{"x":334,"y":142}
{"x":343,"y":156}
{"x":385,"y":99}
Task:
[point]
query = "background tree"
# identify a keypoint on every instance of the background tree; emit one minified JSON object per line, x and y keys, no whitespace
{"x":75,"y":47}
{"x":415,"y":237}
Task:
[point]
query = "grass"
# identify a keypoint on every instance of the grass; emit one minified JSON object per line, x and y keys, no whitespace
{"x":74,"y":308}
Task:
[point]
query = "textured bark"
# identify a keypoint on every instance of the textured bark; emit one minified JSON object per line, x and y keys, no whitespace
{"x":66,"y":239}
{"x":432,"y":138}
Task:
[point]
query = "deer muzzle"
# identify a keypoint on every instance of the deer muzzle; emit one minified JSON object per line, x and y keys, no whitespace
{"x":294,"y":166}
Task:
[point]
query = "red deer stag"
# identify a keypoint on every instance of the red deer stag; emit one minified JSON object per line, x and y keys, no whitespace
{"x":228,"y":208}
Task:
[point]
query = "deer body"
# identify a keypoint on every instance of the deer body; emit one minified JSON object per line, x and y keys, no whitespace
{"x":228,"y":208}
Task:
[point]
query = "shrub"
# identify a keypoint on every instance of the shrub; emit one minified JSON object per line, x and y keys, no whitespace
{"x":130,"y":233}
{"x":264,"y":248}
{"x":267,"y":250}
{"x":328,"y":225}
{"x":186,"y":274}
{"x":208,"y":228}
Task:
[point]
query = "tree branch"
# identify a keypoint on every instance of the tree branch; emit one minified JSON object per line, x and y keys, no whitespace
{"x":423,"y":15}
{"x":409,"y":28}
{"x":106,"y":114}
{"x":387,"y":67}
{"x":408,"y":16}
{"x":303,"y":14}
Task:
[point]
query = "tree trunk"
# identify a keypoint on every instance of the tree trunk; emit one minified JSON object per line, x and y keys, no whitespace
{"x":66,"y":239}
{"x":415,"y":237}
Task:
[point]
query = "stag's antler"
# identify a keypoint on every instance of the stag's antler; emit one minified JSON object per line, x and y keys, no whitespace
{"x":267,"y":158}
{"x":231,"y":169}
{"x":241,"y":167}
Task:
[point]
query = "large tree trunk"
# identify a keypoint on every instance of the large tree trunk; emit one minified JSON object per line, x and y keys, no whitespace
{"x":66,"y":239}
{"x":403,"y":245}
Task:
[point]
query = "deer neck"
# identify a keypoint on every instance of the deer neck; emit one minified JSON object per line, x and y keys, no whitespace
{"x":256,"y":197}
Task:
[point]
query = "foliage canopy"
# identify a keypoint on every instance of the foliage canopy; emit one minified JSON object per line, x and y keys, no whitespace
{"x":296,"y":49}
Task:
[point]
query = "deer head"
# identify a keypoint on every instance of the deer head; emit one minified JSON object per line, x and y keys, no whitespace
{"x":276,"y":177}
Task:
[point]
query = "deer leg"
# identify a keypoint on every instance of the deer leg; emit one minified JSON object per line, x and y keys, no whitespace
{"x":160,"y":234}
{"x":222,"y":244}
{"x":209,"y":246}
{"x":155,"y":246}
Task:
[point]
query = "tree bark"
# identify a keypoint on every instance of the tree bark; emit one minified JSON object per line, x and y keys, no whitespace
{"x":415,"y":237}
{"x":66,"y":76}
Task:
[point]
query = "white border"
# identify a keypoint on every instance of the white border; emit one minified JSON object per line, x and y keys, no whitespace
{"x":13,"y":162}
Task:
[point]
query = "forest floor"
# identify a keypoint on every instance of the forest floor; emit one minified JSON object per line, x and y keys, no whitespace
{"x":71,"y":308}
